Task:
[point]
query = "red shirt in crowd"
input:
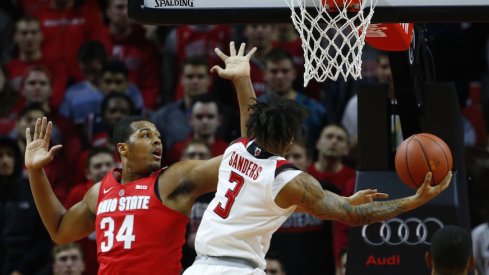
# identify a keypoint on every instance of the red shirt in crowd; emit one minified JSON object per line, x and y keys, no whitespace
{"x":64,"y":31}
{"x":17,"y":68}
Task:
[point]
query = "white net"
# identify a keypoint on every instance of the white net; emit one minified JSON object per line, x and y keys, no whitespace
{"x":332,"y":36}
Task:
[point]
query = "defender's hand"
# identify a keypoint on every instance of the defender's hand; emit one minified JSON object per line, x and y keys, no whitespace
{"x":237,"y":64}
{"x":366,"y":196}
{"x":37,"y":154}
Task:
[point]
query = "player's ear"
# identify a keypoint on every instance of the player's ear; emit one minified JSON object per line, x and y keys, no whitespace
{"x":122,"y":148}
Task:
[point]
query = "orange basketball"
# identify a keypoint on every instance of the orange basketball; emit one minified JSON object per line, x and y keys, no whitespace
{"x":420,"y":154}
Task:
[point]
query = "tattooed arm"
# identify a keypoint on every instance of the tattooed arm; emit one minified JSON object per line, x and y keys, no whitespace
{"x":306,"y":193}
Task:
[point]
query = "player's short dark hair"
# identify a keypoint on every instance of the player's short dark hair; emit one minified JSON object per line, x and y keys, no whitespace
{"x":105,"y":102}
{"x":277,"y":55}
{"x":451,"y":248}
{"x":275,"y":122}
{"x":92,"y":50}
{"x":96,"y":151}
{"x":123,"y":129}
{"x":195,"y":61}
{"x":115,"y":66}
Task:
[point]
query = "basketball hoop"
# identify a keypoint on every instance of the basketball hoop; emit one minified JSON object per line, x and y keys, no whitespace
{"x":333,"y":35}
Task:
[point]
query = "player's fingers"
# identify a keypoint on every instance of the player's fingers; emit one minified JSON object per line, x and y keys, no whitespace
{"x":37,"y":129}
{"x":369,"y":191}
{"x":427,"y":180}
{"x":49,"y":129}
{"x":54,"y":149}
{"x":232,"y":49}
{"x":381,"y":195}
{"x":242,"y":49}
{"x":251,"y":52}
{"x":446,"y":181}
{"x":28,"y":135}
{"x":44,"y":124}
{"x":221,"y":54}
{"x":216,"y":69}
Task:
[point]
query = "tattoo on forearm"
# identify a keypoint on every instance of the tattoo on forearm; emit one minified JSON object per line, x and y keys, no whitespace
{"x":327,"y":205}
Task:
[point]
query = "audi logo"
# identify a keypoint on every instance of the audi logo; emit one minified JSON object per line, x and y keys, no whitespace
{"x":412,"y":231}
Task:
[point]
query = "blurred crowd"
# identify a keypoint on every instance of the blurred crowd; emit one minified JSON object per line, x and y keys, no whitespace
{"x":85,"y":65}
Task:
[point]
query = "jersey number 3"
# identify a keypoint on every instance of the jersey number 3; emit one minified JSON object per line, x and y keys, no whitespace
{"x":231,"y":195}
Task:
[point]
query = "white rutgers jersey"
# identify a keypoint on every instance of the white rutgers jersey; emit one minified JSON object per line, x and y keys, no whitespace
{"x":240,"y":220}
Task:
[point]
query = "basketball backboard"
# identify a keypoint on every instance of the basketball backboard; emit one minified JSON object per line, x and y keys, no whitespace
{"x":177,"y":12}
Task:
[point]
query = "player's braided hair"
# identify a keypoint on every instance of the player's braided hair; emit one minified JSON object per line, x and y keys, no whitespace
{"x":275,"y":123}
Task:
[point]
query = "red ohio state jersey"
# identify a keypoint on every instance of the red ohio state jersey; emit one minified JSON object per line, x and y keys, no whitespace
{"x":136,"y":232}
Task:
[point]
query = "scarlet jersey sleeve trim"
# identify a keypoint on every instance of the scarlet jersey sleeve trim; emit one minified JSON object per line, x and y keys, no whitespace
{"x":240,"y":140}
{"x":283,"y":165}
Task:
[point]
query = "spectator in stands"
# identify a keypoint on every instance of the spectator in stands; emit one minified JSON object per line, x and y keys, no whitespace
{"x":204,"y":121}
{"x":303,"y":232}
{"x":126,"y":41}
{"x":114,"y":79}
{"x":332,"y":147}
{"x":480,"y":234}
{"x":450,"y":252}
{"x":285,"y":37}
{"x":100,"y":161}
{"x":341,"y":269}
{"x":81,"y":99}
{"x":115,"y":107}
{"x":37,"y":89}
{"x":188,"y":41}
{"x":172,"y":119}
{"x":68,"y":259}
{"x":57,"y":172}
{"x":199,"y":150}
{"x":259,"y":36}
{"x":275,"y":265}
{"x":28,"y":39}
{"x":25,"y":243}
{"x":8,"y":104}
{"x":279,"y":75}
{"x":66,"y":25}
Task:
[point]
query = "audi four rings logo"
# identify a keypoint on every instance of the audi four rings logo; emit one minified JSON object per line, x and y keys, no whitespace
{"x":412,"y":231}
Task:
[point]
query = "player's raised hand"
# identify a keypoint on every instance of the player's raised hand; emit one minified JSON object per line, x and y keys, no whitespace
{"x":366,"y":196}
{"x":37,"y":152}
{"x":237,"y":63}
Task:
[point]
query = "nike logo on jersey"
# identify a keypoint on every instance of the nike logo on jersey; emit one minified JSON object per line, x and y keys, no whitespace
{"x":107,"y":190}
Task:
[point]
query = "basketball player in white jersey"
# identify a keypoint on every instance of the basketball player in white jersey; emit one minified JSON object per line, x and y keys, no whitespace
{"x":258,"y":190}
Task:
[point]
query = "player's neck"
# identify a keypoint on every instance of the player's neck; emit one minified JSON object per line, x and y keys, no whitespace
{"x":128,"y":175}
{"x":325,"y":164}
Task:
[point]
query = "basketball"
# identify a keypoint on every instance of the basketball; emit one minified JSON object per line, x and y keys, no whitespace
{"x":420,"y":154}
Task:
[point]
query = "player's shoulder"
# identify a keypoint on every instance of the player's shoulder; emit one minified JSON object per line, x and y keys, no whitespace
{"x":242,"y":140}
{"x":283,"y":165}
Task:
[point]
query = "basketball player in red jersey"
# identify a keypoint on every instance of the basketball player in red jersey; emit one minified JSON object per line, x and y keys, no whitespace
{"x":139,"y":213}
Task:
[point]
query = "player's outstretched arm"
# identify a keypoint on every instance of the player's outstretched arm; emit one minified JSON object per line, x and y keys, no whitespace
{"x":237,"y":70}
{"x":63,"y":226}
{"x":306,"y":192}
